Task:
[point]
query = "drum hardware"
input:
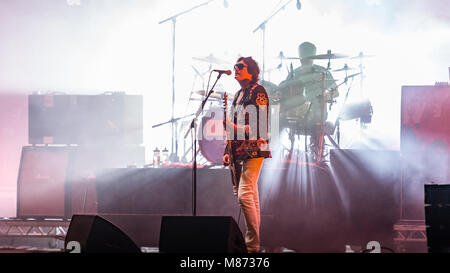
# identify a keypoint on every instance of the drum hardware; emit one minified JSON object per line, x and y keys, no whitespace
{"x":361,"y":56}
{"x":201,"y":75}
{"x":211,"y":60}
{"x":299,"y":121}
{"x":320,"y":145}
{"x":281,"y":57}
{"x":291,"y":72}
{"x":211,"y":135}
{"x":349,"y":77}
{"x":200,"y":99}
{"x":326,"y":56}
{"x":321,"y":140}
{"x":175,"y":122}
{"x":173,"y":19}
{"x":345,"y":68}
{"x":352,"y":75}
{"x":197,"y":74}
{"x":262,"y":27}
{"x":194,"y":144}
{"x":270,"y":70}
{"x":216,"y":95}
{"x":362,"y":110}
{"x":290,"y":88}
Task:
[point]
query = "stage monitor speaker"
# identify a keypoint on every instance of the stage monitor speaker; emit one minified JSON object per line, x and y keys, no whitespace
{"x":96,"y":235}
{"x":437,"y":217}
{"x":200,"y":234}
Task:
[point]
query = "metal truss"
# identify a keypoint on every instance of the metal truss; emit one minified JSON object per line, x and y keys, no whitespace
{"x":50,"y":228}
{"x":410,"y":231}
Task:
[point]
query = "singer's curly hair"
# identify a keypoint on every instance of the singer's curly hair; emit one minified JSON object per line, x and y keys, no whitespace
{"x":252,"y":67}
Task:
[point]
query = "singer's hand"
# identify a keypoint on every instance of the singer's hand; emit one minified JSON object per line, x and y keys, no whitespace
{"x":226,"y":160}
{"x":228,"y":124}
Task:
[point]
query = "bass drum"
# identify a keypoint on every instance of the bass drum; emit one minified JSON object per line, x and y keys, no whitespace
{"x":211,"y":135}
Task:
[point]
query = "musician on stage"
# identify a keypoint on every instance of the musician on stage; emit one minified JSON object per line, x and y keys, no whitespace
{"x":310,"y":80}
{"x":247,"y":127}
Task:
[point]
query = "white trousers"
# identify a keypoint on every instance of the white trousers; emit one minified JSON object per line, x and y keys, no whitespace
{"x":249,"y":201}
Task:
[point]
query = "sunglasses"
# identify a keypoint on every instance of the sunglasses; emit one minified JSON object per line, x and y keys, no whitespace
{"x":239,"y":66}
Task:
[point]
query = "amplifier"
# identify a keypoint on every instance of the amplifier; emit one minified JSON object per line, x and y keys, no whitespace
{"x":85,"y":119}
{"x":59,"y":181}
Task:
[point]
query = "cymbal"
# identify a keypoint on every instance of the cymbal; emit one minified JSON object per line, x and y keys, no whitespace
{"x":327,"y":56}
{"x":345,"y":68}
{"x":211,"y":59}
{"x":215,"y":94}
{"x":291,"y":58}
{"x":361,"y":55}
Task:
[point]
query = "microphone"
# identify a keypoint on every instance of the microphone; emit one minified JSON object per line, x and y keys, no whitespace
{"x":228,"y":72}
{"x":299,"y":5}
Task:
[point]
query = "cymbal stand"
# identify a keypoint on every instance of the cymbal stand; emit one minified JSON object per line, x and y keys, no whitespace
{"x":262,"y":27}
{"x":337,"y":123}
{"x":323,"y":133}
{"x":361,"y":67}
{"x":173,"y":19}
{"x":321,"y":141}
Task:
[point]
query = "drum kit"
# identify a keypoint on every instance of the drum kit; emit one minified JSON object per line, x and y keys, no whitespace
{"x":302,"y":112}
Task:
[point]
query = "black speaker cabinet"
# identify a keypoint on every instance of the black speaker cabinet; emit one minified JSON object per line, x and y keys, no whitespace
{"x":437,"y":217}
{"x":96,"y":235}
{"x":200,"y":234}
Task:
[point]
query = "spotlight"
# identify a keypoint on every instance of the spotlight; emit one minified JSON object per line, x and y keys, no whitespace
{"x":299,"y":5}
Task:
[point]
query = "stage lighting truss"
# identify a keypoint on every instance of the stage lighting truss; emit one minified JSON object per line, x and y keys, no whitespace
{"x":34,"y":228}
{"x":409,"y":231}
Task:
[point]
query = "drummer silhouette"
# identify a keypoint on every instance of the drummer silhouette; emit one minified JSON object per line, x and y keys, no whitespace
{"x":304,"y":95}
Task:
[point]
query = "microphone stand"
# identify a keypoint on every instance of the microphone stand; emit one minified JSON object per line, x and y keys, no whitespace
{"x":262,"y":26}
{"x":174,"y":155}
{"x":337,"y":123}
{"x":171,"y":121}
{"x":194,"y":143}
